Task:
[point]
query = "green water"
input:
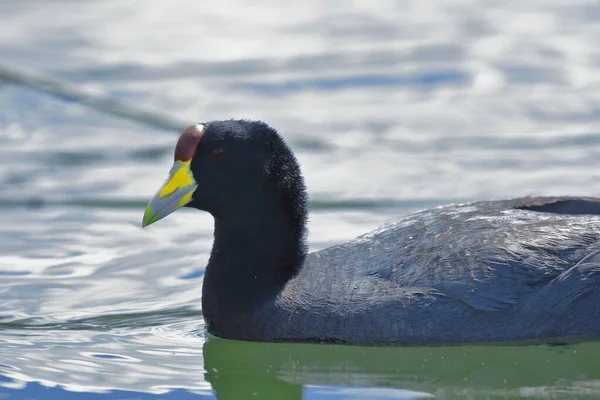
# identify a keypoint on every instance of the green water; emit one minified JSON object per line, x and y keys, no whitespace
{"x":238,"y":370}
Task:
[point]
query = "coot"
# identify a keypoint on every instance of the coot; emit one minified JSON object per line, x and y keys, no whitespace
{"x":492,"y":271}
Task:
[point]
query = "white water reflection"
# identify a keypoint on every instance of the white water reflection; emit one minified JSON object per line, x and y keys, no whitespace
{"x":146,"y":360}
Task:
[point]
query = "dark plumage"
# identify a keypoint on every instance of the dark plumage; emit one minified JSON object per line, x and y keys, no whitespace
{"x":484,"y":272}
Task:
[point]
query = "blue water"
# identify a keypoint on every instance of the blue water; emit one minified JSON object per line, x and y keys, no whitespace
{"x":390,"y":108}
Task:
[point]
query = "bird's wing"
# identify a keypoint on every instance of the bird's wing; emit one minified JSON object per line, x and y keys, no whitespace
{"x":487,"y":255}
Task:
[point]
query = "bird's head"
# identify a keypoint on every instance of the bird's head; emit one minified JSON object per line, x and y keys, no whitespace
{"x":226,"y":167}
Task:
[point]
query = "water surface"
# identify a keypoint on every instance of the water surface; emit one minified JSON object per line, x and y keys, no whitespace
{"x":390,"y":108}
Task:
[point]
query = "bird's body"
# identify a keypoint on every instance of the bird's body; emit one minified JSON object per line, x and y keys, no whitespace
{"x":482,"y":272}
{"x":491,"y":271}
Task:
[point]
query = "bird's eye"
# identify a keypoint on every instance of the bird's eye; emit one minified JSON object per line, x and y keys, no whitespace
{"x":217,"y":153}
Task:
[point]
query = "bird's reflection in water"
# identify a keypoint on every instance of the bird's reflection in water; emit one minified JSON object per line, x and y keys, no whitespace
{"x":245,"y":370}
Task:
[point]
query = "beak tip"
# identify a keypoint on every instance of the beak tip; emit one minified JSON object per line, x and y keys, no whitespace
{"x":149,"y":218}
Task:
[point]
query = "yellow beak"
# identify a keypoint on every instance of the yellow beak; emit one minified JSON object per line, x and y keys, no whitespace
{"x":175,"y":193}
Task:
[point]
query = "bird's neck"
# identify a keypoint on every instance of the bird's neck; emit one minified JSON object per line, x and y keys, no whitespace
{"x":254,"y":254}
{"x":270,"y":246}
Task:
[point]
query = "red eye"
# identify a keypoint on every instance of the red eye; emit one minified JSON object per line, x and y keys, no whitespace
{"x":217,"y":153}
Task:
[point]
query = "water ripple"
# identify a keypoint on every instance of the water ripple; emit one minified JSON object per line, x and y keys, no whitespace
{"x":107,"y":322}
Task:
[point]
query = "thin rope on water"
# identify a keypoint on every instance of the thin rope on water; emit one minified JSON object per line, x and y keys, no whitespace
{"x":66,"y":90}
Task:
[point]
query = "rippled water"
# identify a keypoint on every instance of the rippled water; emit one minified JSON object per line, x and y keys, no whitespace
{"x":390,"y":107}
